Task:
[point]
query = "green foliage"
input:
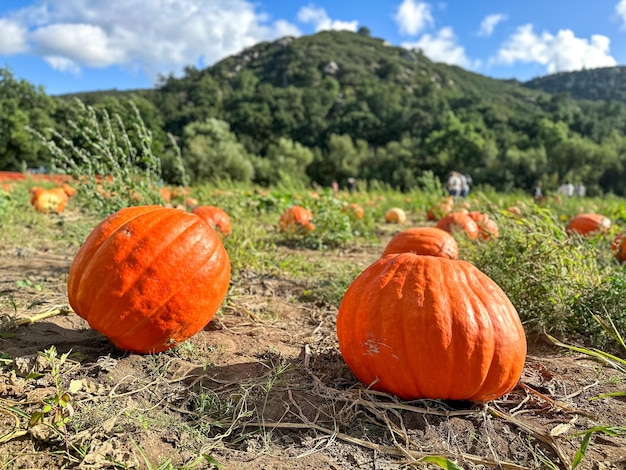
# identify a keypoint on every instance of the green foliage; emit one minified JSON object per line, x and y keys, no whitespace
{"x":111,"y":170}
{"x":545,"y":272}
{"x":22,"y":105}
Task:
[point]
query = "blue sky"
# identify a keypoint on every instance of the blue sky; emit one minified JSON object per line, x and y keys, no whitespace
{"x":84,"y":45}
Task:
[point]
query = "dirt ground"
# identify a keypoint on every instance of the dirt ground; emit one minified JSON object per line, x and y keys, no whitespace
{"x":263,"y":387}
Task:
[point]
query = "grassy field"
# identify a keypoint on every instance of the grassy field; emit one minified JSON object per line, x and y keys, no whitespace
{"x":264,"y":385}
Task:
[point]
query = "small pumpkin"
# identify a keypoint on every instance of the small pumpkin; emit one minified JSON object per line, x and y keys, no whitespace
{"x":216,"y":217}
{"x":430,"y":327}
{"x":149,"y":277}
{"x":487,"y":227}
{"x":48,"y":200}
{"x":423,"y":241}
{"x":459,"y":221}
{"x":395,"y":215}
{"x":296,"y":218}
{"x":588,"y":224}
{"x":445,"y":206}
{"x":354,"y":210}
{"x":618,"y":245}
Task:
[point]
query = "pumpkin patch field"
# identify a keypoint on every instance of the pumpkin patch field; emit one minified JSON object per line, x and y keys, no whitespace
{"x":310,"y":335}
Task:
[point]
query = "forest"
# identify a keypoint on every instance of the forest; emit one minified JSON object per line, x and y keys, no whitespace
{"x":338,"y":105}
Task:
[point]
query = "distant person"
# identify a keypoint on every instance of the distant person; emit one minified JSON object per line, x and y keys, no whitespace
{"x":580,"y":190}
{"x":455,"y":184}
{"x":466,"y":183}
{"x":351,"y":184}
{"x":566,"y":189}
{"x":537,"y":193}
{"x":335,"y":186}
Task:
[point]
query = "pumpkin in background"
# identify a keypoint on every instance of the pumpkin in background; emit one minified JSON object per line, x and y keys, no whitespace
{"x":149,"y":277}
{"x":296,"y":218}
{"x":216,"y":217}
{"x":514,"y":210}
{"x":487,"y":227}
{"x":354,"y":210}
{"x":618,"y":245}
{"x":588,"y":224}
{"x":430,"y":327}
{"x":48,"y":200}
{"x":459,"y":221}
{"x":395,"y":215}
{"x":423,"y":241}
{"x":444,"y":207}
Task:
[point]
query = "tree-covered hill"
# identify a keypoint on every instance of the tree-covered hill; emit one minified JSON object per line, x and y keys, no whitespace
{"x":607,"y":84}
{"x":338,"y":104}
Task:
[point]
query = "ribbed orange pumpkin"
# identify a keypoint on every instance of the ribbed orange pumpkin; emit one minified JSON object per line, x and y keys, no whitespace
{"x":149,"y":277}
{"x":423,"y":241}
{"x":588,"y":224}
{"x":216,"y":217}
{"x":457,"y":221}
{"x":296,"y":218}
{"x":395,"y":215}
{"x":429,"y":327}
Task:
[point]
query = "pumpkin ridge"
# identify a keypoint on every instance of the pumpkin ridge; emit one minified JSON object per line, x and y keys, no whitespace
{"x":439,"y":333}
{"x":483,"y":322}
{"x":411,"y":333}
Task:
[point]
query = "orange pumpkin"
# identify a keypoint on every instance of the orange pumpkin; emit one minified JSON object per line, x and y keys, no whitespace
{"x":296,"y":218}
{"x":430,"y":327}
{"x":354,"y":210}
{"x":459,"y":221}
{"x":588,"y":224}
{"x":423,"y":241}
{"x":216,"y":217}
{"x":444,"y":207}
{"x":395,"y":215}
{"x":48,"y":200}
{"x":149,"y":277}
{"x":487,"y":227}
{"x":618,"y":245}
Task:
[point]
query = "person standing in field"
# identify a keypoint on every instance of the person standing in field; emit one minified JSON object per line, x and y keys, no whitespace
{"x":455,"y":184}
{"x":580,"y":190}
{"x":466,"y":183}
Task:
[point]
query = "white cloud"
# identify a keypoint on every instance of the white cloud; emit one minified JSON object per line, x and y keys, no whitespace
{"x":620,"y":9}
{"x":563,"y":52}
{"x":63,"y":64}
{"x":12,"y":37}
{"x":489,"y":23}
{"x":442,"y":47}
{"x":157,"y":36}
{"x":321,"y":21}
{"x":96,"y":49}
{"x":413,"y":17}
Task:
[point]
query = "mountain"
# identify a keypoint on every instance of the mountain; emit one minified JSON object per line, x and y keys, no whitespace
{"x":606,"y":84}
{"x":337,"y":104}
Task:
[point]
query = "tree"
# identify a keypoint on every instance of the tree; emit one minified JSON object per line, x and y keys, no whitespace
{"x":285,"y":162}
{"x":211,"y":151}
{"x":22,"y":106}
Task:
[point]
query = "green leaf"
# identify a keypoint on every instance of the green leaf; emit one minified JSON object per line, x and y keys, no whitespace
{"x":441,"y":462}
{"x":580,"y":454}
